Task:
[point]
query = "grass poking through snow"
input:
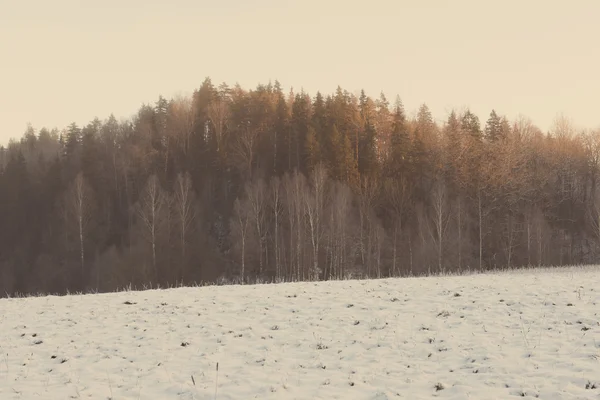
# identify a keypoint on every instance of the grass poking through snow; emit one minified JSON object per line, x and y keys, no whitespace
{"x":526,"y":333}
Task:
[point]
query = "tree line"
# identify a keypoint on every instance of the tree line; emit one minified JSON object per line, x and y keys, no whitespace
{"x":239,"y":185}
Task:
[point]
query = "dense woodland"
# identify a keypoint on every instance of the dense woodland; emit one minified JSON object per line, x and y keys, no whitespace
{"x":234,"y":184}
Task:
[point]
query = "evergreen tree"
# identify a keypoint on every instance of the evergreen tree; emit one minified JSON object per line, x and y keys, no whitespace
{"x":398,"y":162}
{"x":339,"y":154}
{"x":453,"y":146}
{"x":319,"y":118}
{"x":282,"y":128}
{"x":368,"y":162}
{"x":300,"y":121}
{"x":20,"y":211}
{"x":493,"y":127}
{"x":510,"y":195}
{"x":72,"y":145}
{"x":470,"y":125}
{"x":312,"y":149}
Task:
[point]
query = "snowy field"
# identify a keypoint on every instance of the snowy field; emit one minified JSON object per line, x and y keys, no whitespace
{"x":532,"y":334}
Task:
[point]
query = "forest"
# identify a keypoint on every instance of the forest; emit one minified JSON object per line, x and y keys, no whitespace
{"x":238,"y":185}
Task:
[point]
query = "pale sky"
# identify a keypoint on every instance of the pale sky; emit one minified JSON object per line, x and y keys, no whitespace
{"x":71,"y":60}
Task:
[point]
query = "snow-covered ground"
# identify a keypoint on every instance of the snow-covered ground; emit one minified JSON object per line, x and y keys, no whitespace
{"x":527,"y":334}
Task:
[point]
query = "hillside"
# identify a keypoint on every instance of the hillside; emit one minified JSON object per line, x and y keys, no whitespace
{"x":525,"y":334}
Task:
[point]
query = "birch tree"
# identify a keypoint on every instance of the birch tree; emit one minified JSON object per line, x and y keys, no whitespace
{"x":338,"y":230}
{"x":277,"y":211}
{"x":244,"y":149}
{"x":150,"y":212}
{"x":314,"y":200}
{"x":369,"y":191}
{"x":294,"y":188}
{"x":440,"y":218}
{"x":256,"y":197}
{"x":79,"y":207}
{"x":219,"y":113}
{"x":182,"y":119}
{"x":398,"y":196}
{"x":241,"y":222}
{"x":185,"y":212}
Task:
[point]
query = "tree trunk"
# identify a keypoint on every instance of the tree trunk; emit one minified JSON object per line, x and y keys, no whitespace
{"x":480,"y":212}
{"x":459,"y":234}
{"x":395,"y":245}
{"x":81,"y":249}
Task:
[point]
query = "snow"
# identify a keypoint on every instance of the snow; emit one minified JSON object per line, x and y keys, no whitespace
{"x":532,"y":333}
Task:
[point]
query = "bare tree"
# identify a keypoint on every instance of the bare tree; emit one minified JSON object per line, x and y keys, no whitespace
{"x":440,"y":218}
{"x":79,"y":209}
{"x":244,"y":149}
{"x":562,"y":127}
{"x":218,"y":112}
{"x":524,"y":129}
{"x":314,"y":200}
{"x":277,"y":209}
{"x":149,"y":210}
{"x":186,"y":213}
{"x":379,"y":239}
{"x":256,"y":196}
{"x":369,"y":191}
{"x":514,"y":189}
{"x":290,"y":211}
{"x":241,"y":223}
{"x":535,"y":229}
{"x":423,"y":251}
{"x":477,"y":179}
{"x":511,"y":229}
{"x":591,"y":143}
{"x":338,"y":230}
{"x":168,"y":216}
{"x":294,"y":188}
{"x":399,"y":197}
{"x":182,"y":118}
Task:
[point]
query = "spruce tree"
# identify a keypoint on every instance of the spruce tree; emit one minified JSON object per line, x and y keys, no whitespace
{"x":493,"y":127}
{"x":471,"y":126}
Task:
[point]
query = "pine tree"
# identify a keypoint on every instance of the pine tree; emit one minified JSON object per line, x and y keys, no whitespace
{"x":368,"y":162}
{"x":312,"y":149}
{"x":471,"y":126}
{"x":299,"y":125}
{"x":319,"y":118}
{"x":72,"y":145}
{"x":2,"y":159}
{"x":19,"y":226}
{"x":420,"y":160}
{"x":398,"y":161}
{"x":383,"y":126}
{"x":493,"y":127}
{"x":282,"y":135}
{"x":339,"y":155}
